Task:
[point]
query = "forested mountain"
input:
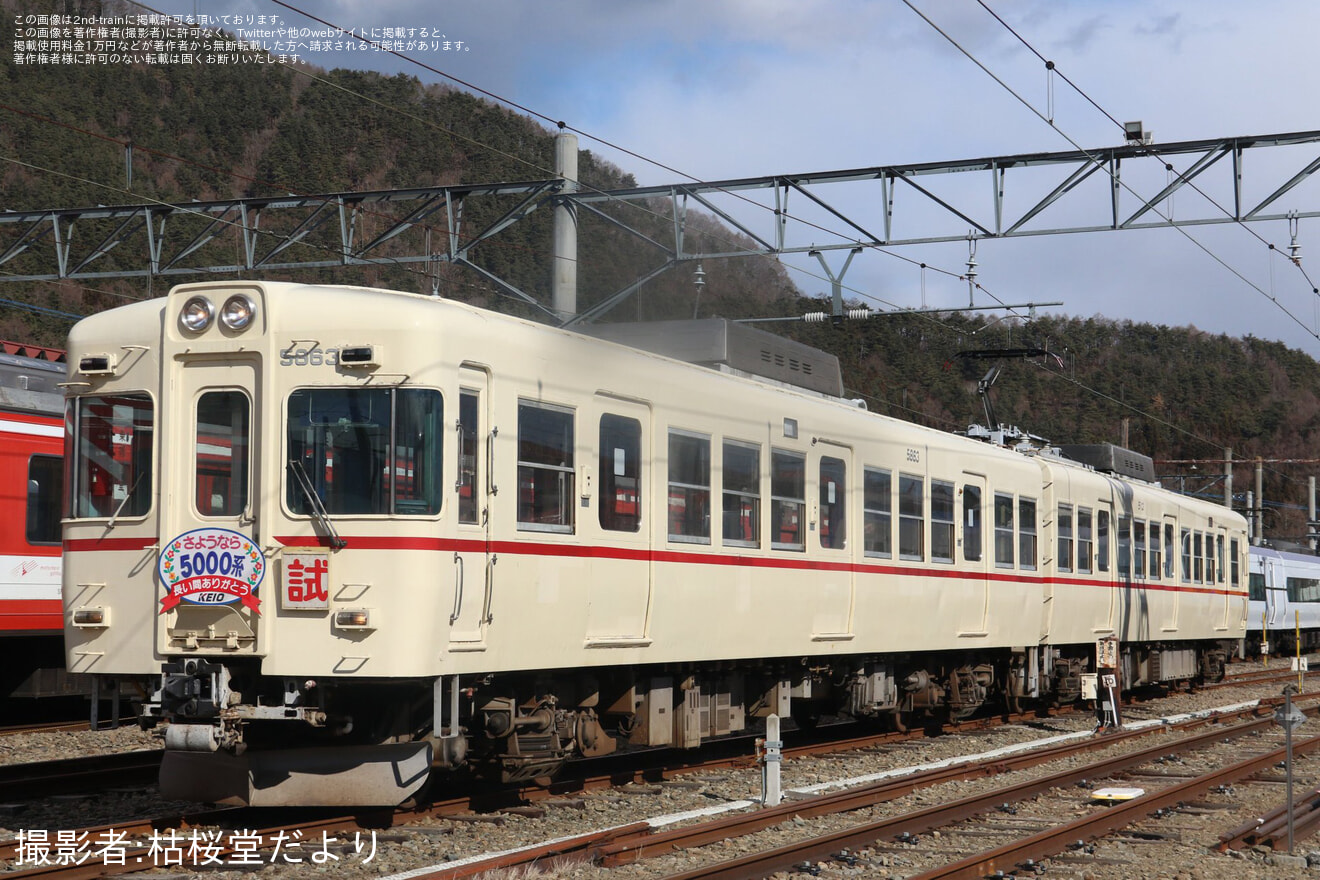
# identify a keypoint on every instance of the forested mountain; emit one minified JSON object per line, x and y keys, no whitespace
{"x":206,"y":131}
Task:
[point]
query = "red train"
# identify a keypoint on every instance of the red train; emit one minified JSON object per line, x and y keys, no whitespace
{"x":31,"y":493}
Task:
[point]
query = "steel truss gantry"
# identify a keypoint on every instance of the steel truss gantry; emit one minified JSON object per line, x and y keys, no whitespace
{"x":402,"y":226}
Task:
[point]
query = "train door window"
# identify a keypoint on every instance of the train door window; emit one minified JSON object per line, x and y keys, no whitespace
{"x":833,"y":506}
{"x":417,"y":452}
{"x":1155,"y":564}
{"x":1209,"y":558}
{"x":1198,"y":560}
{"x":221,"y":461}
{"x":1085,"y":539}
{"x":469,"y":455}
{"x":620,"y":473}
{"x":1170,"y":554}
{"x":112,"y":468}
{"x":1235,"y":561}
{"x":911,"y":517}
{"x":1219,"y":553}
{"x":1139,"y":549}
{"x":1102,"y":540}
{"x":1256,"y":587}
{"x":45,"y":490}
{"x":1003,"y":530}
{"x":941,"y":521}
{"x":689,"y":488}
{"x":1125,"y":547}
{"x":742,"y":494}
{"x":878,"y":508}
{"x":545,"y":467}
{"x":1027,"y":534}
{"x":1064,"y":525}
{"x":973,"y":529}
{"x":788,"y":499}
{"x":1186,"y":556}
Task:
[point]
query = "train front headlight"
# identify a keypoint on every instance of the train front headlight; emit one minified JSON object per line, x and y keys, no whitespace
{"x":196,"y":314}
{"x":238,"y":312}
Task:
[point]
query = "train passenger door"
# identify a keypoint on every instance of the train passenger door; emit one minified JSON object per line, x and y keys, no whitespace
{"x":212,"y":568}
{"x":1276,"y":592}
{"x":619,"y":590}
{"x":972,"y":556}
{"x":833,"y":607}
{"x":469,"y":613}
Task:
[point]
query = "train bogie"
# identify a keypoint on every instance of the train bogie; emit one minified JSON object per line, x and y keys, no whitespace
{"x":359,"y":526}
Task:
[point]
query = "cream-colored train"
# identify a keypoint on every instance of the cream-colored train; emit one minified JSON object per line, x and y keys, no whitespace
{"x":351,"y":535}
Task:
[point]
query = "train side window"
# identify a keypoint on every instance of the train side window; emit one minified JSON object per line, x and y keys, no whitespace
{"x":545,"y":467}
{"x":1027,"y":534}
{"x":877,"y":513}
{"x":1303,"y":589}
{"x":1198,"y":558}
{"x":1064,"y":527}
{"x":221,"y":447}
{"x":45,"y":489}
{"x":941,"y":521}
{"x":973,"y":530}
{"x":1085,"y":539}
{"x":788,"y":500}
{"x":1125,"y":547}
{"x":833,"y":506}
{"x":1139,"y":550}
{"x":1170,"y":552}
{"x":1186,"y":556}
{"x":1003,"y":530}
{"x":1209,"y":558}
{"x":620,"y":473}
{"x":112,"y":468}
{"x":911,"y":517}
{"x":469,"y":416}
{"x":1155,"y":564}
{"x":1102,"y":540}
{"x":742,"y":494}
{"x":689,"y":488}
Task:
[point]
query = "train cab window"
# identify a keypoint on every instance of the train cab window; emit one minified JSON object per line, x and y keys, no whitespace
{"x":44,"y":493}
{"x":689,"y":488}
{"x":1003,"y":530}
{"x":788,"y":500}
{"x":742,"y":494}
{"x":1027,"y":544}
{"x":1170,"y":552}
{"x":973,"y":528}
{"x":365,"y":451}
{"x":1064,"y":526}
{"x":1102,"y":540}
{"x":1186,"y":556}
{"x":221,"y":460}
{"x":878,"y":513}
{"x":1155,"y":564}
{"x":469,"y":416}
{"x":1085,"y":539}
{"x":620,"y":473}
{"x":546,"y":468}
{"x":941,"y":521}
{"x":112,"y":467}
{"x":833,"y":506}
{"x":1139,"y":549}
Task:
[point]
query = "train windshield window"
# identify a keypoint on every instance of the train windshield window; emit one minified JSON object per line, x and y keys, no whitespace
{"x":222,"y":453}
{"x":689,"y":488}
{"x":878,"y":509}
{"x":112,"y":472}
{"x":545,"y":467}
{"x":367,"y":451}
{"x":742,"y":494}
{"x":45,"y":489}
{"x":1027,"y":534}
{"x":911,"y":517}
{"x":620,"y":473}
{"x":1003,"y":530}
{"x":833,"y":526}
{"x":788,"y":500}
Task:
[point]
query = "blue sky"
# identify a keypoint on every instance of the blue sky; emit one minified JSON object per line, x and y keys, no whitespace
{"x":736,"y":88}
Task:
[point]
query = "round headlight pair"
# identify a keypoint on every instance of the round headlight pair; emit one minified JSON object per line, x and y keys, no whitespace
{"x":236,"y":314}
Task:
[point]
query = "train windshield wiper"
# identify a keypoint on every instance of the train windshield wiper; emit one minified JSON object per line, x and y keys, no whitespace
{"x":319,"y":512}
{"x":120,"y":509}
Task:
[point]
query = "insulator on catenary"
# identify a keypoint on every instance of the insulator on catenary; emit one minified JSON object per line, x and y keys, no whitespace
{"x":850,"y":314}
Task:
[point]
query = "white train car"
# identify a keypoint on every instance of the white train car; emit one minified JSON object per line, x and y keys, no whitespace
{"x":1284,"y":601}
{"x":352,"y":534}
